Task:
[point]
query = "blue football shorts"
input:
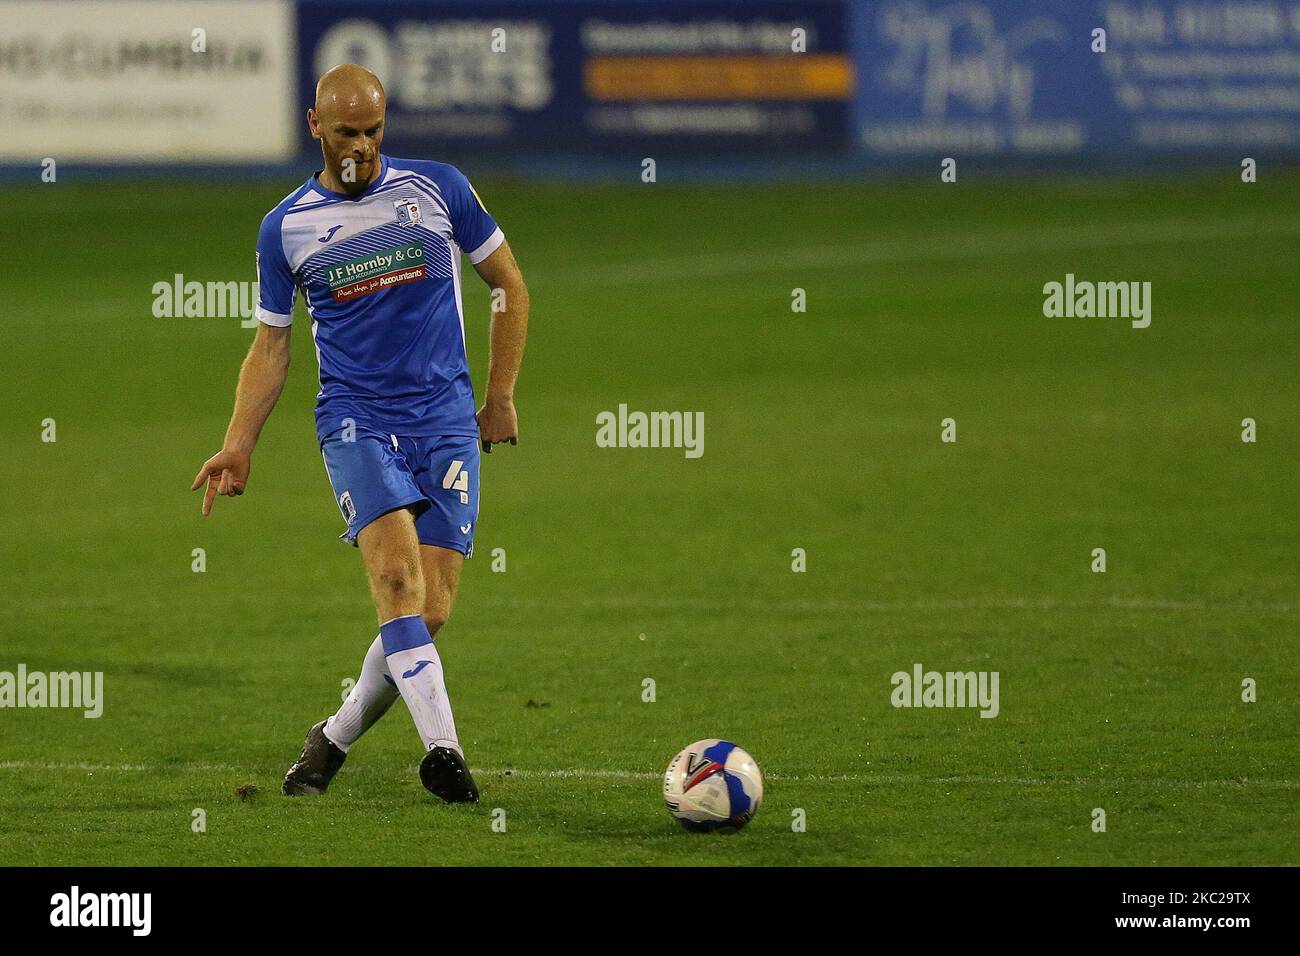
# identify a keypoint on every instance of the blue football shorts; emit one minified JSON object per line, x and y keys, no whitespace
{"x":436,"y":477}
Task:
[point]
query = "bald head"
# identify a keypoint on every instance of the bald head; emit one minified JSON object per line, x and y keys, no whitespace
{"x":348,"y":86}
{"x":348,"y":119}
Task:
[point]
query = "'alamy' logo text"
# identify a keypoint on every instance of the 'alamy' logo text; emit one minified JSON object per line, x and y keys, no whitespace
{"x":1102,"y":300}
{"x":951,"y":689}
{"x":76,"y":908}
{"x":73,"y":689}
{"x":651,"y":430}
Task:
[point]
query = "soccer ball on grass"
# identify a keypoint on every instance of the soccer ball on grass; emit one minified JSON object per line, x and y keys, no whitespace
{"x":713,"y":785}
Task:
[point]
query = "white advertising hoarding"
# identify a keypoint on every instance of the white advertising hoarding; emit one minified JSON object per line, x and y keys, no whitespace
{"x":126,"y":81}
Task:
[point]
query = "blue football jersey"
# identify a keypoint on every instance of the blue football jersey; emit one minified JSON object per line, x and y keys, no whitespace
{"x":380,"y":277}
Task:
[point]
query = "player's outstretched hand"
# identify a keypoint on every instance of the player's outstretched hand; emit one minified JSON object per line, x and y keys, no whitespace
{"x":226,"y":473}
{"x":497,"y":423}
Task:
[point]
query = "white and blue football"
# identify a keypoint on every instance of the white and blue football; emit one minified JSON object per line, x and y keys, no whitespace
{"x":713,"y":785}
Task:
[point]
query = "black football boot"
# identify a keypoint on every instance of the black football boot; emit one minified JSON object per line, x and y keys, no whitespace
{"x":444,"y":774}
{"x":320,"y":761}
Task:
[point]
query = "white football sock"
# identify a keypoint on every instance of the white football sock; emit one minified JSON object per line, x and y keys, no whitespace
{"x":371,"y":696}
{"x":415,"y":666}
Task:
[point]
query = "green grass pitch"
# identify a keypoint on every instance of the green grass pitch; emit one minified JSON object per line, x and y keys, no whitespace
{"x":1120,"y":691}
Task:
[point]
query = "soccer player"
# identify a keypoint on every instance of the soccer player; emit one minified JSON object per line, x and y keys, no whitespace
{"x":374,"y":243}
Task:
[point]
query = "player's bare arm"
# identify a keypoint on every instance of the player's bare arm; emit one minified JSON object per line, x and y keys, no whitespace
{"x":261,"y":379}
{"x":497,"y":420}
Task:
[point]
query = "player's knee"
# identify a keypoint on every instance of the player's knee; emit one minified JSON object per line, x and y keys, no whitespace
{"x":399,"y":585}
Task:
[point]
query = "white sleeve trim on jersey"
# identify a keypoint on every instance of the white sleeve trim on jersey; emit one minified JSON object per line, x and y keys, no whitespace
{"x":490,"y":245}
{"x":273,"y":318}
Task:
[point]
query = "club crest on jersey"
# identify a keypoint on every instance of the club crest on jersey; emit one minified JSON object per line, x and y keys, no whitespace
{"x":408,"y":212}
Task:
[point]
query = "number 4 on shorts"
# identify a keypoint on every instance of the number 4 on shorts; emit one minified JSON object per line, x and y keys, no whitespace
{"x":457,"y":479}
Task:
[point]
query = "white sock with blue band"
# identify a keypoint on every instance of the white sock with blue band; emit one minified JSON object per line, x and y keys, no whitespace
{"x":416,"y":668}
{"x":370,"y":698}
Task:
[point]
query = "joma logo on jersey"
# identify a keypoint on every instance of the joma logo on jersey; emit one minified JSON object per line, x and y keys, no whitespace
{"x":376,"y":270}
{"x":457,"y":479}
{"x":408,"y":212}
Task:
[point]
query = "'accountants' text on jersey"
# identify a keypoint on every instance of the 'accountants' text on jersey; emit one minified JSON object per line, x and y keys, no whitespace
{"x":378,"y":270}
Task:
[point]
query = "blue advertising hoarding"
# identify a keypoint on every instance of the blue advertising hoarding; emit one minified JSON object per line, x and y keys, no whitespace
{"x":1031,"y":79}
{"x":593,"y":76}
